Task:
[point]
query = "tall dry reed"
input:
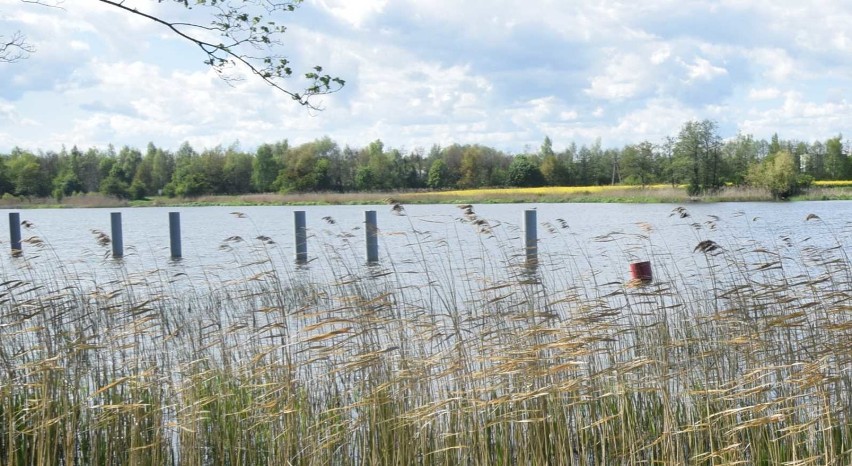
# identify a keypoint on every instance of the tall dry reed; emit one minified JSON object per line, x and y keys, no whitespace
{"x":434,"y":361}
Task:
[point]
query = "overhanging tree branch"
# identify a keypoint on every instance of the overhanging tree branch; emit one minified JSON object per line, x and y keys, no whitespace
{"x":242,"y":31}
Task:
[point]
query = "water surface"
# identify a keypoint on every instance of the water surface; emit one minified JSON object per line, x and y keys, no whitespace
{"x":586,"y":241}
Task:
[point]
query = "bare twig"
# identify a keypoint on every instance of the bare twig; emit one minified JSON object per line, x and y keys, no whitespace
{"x":15,"y":48}
{"x":47,"y":3}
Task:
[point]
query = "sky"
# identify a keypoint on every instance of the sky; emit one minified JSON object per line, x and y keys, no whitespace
{"x":418,"y":73}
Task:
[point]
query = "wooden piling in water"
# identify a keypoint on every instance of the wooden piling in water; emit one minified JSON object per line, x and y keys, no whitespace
{"x":117,"y":235}
{"x":372,"y":229}
{"x":15,"y":232}
{"x":301,"y":236}
{"x":531,"y":238}
{"x":174,"y":235}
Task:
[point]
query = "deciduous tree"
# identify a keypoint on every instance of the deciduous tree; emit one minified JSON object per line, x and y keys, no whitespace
{"x":266,"y":166}
{"x":438,"y":175}
{"x":836,"y":162}
{"x":28,"y":175}
{"x":697,"y":154}
{"x":524,"y":173}
{"x":637,"y":163}
{"x":778,"y":174}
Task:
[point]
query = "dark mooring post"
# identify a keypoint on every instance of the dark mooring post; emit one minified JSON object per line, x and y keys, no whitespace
{"x":117,"y":238}
{"x":372,"y":236}
{"x":531,"y":238}
{"x":301,"y":237}
{"x":174,"y":234}
{"x":15,"y":232}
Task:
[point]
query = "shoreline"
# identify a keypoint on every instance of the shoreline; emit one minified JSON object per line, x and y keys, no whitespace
{"x":657,"y":194}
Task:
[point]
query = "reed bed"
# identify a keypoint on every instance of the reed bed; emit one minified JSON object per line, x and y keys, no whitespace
{"x":827,"y":190}
{"x":309,"y":198}
{"x":738,"y":353}
{"x":93,"y":200}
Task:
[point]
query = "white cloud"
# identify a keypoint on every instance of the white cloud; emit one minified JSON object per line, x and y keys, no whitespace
{"x":354,"y":12}
{"x":657,"y":119}
{"x":568,"y":115}
{"x":661,"y":54}
{"x":420,"y":72}
{"x":79,"y":45}
{"x":775,"y":64}
{"x":702,"y":70}
{"x":624,"y":76}
{"x":7,"y":111}
{"x":797,"y":117}
{"x":535,"y":112}
{"x":767,"y":93}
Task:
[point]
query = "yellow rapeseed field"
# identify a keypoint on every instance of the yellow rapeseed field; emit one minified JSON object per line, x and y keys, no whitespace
{"x":833,"y":183}
{"x":544,"y":190}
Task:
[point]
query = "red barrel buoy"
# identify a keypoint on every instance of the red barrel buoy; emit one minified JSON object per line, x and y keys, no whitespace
{"x":641,"y":271}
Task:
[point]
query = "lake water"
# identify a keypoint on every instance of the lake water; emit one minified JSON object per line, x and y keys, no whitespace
{"x":593,"y":242}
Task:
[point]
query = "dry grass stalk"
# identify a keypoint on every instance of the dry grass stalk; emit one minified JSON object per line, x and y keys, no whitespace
{"x":751,"y":366}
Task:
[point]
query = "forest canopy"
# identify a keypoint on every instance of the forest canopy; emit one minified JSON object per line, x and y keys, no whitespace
{"x":696,"y":157}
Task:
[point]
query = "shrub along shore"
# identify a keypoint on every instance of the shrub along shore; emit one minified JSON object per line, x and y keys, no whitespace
{"x":735,"y":354}
{"x":820,"y":191}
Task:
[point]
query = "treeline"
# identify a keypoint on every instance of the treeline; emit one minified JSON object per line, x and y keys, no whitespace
{"x":697,"y":157}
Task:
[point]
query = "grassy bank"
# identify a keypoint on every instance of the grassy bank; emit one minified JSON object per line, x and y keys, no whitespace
{"x":822,"y":190}
{"x":481,"y":362}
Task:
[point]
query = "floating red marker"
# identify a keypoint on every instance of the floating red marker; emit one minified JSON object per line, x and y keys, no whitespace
{"x":641,"y":271}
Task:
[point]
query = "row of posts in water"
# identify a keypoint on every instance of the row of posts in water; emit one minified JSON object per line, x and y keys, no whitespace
{"x":301,"y":235}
